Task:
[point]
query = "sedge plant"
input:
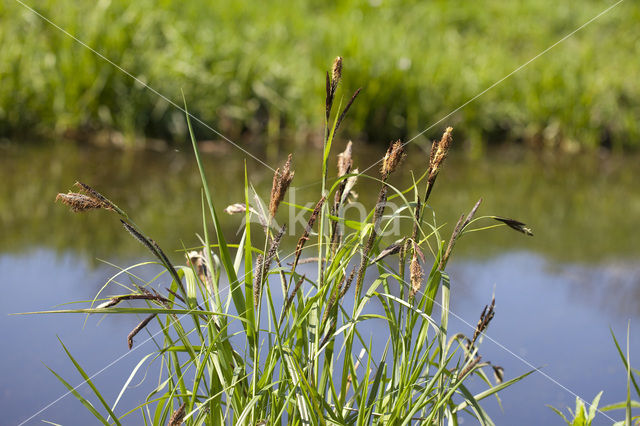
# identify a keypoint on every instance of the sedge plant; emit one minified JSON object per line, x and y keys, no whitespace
{"x":249,"y":333}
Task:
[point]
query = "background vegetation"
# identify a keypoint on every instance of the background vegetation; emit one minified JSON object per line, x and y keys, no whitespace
{"x":253,"y":68}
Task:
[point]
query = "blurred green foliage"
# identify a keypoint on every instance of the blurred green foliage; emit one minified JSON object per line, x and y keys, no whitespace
{"x":256,"y":68}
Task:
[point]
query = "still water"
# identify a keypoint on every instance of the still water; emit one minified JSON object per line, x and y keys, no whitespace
{"x":557,"y":294}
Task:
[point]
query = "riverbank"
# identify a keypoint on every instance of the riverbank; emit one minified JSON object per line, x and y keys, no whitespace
{"x":250,"y":69}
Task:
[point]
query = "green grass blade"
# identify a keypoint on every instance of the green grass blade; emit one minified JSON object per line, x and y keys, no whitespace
{"x":80,"y":398}
{"x":494,"y":390}
{"x":625,"y":362}
{"x":225,"y":255}
{"x":248,"y":265}
{"x":87,"y":379}
{"x":620,"y":405}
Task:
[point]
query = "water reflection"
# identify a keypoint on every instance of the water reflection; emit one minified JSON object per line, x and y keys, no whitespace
{"x":581,"y":208}
{"x":613,"y":287}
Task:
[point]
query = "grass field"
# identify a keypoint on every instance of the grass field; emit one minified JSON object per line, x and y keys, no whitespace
{"x":256,"y":68}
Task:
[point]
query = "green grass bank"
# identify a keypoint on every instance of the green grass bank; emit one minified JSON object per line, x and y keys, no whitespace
{"x":256,"y":68}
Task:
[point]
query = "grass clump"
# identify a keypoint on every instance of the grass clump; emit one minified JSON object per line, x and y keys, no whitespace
{"x":254,"y":334}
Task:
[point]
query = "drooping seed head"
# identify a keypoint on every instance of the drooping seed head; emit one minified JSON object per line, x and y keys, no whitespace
{"x":498,"y":373}
{"x":86,"y":189}
{"x":515,"y":224}
{"x":86,"y":199}
{"x":79,"y":202}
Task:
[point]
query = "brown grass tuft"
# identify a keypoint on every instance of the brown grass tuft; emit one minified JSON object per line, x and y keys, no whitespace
{"x":462,"y":223}
{"x":347,"y":284}
{"x":469,"y":367}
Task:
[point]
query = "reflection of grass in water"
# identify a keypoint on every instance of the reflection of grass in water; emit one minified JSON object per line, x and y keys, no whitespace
{"x":582,"y":208}
{"x":246,"y":65}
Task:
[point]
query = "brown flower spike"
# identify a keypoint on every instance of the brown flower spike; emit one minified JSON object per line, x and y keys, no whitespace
{"x":393,"y":157}
{"x":178,"y":416}
{"x":417,"y":274}
{"x":439,"y":151}
{"x":79,"y":202}
{"x":85,"y":200}
{"x":281,"y":182}
{"x":336,"y":74}
{"x":345,"y":161}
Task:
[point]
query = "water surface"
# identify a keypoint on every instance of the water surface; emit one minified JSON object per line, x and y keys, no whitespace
{"x":557,"y":293}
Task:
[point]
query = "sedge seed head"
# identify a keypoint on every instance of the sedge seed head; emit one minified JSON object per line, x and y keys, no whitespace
{"x":344,"y":160}
{"x":417,"y":275}
{"x":336,"y":73}
{"x":79,"y":202}
{"x":393,"y":157}
{"x":281,"y":182}
{"x":439,"y":152}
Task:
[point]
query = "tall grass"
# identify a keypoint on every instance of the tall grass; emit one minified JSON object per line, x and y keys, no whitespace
{"x":252,"y":335}
{"x":249,"y":63}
